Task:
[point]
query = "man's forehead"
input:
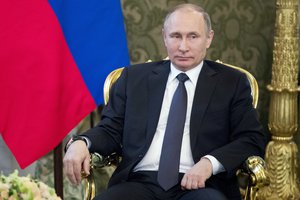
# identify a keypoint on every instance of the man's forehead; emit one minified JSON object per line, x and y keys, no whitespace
{"x":182,"y":23}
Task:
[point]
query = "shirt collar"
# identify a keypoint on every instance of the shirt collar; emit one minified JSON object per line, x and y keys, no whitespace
{"x":193,"y":74}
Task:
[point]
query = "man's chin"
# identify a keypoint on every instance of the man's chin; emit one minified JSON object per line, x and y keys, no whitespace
{"x":183,"y":65}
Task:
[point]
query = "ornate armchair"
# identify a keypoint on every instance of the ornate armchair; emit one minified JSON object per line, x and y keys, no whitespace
{"x":251,"y":176}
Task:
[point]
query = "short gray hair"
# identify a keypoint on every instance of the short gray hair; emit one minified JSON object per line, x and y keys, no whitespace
{"x":192,"y":7}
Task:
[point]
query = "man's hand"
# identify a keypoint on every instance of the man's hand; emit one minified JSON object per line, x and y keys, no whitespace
{"x":77,"y":158}
{"x":195,"y":177}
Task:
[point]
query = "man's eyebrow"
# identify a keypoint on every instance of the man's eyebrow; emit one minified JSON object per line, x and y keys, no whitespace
{"x":189,"y":33}
{"x":193,"y":33}
{"x":174,"y":33}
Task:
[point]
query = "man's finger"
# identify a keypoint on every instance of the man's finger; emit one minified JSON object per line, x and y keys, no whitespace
{"x":86,"y":166}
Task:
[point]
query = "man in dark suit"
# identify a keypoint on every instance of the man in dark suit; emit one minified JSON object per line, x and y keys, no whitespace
{"x":220,"y":126}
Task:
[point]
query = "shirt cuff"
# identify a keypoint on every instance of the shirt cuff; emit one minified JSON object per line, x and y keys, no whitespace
{"x":217,"y":166}
{"x":88,"y":142}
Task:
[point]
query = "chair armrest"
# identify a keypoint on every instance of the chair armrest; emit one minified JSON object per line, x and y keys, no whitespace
{"x":252,"y":176}
{"x":97,"y":162}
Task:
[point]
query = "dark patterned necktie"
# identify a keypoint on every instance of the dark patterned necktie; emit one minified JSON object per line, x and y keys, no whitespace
{"x":168,"y":170}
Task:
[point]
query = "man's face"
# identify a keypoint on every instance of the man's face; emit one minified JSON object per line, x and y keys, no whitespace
{"x":186,"y":38}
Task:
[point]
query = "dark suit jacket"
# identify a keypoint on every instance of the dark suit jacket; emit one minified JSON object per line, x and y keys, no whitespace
{"x":223,"y":121}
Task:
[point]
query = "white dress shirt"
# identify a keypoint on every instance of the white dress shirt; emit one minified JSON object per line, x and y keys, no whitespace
{"x":150,"y":162}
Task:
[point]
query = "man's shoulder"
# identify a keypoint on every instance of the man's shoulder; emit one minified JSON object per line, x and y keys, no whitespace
{"x":222,"y":68}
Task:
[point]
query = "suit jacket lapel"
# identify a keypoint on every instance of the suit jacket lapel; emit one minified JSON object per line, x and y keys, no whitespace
{"x":204,"y":90}
{"x":157,"y":83}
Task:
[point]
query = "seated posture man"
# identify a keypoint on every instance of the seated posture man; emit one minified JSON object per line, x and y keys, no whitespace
{"x":182,"y":127}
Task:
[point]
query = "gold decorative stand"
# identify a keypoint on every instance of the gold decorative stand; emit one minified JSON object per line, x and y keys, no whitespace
{"x":281,"y":152}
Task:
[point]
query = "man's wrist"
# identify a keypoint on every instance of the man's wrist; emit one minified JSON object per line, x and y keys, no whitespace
{"x":217,"y":166}
{"x":75,"y":138}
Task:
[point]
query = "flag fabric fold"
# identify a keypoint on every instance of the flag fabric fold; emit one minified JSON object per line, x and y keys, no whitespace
{"x":54,"y":57}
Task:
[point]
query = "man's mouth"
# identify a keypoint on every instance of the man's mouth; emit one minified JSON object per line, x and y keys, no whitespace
{"x":182,"y":58}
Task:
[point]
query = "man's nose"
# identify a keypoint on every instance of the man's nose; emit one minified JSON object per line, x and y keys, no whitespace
{"x":184,"y":47}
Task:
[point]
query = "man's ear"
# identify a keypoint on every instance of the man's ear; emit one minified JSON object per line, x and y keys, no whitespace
{"x":210,"y":37}
{"x":163,"y":35}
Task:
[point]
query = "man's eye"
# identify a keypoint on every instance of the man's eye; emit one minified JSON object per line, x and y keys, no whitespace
{"x":174,"y":36}
{"x":193,"y":36}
